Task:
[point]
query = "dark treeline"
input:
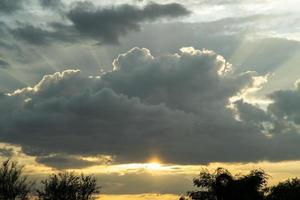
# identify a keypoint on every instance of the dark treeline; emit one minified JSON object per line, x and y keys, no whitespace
{"x":222,"y":185}
{"x":63,"y":186}
{"x":219,"y":185}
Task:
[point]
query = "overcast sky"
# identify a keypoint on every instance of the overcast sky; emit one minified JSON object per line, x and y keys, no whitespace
{"x":97,"y":86}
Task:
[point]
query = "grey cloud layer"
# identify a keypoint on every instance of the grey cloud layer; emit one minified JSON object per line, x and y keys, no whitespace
{"x":286,"y":104}
{"x":171,"y":106}
{"x":60,"y":161}
{"x":108,"y":24}
{"x":53,"y":4}
{"x":39,"y":36}
{"x":105,"y":25}
{"x":9,"y":6}
{"x":130,"y":183}
{"x":167,"y":106}
{"x":58,"y":44}
{"x":4,"y":64}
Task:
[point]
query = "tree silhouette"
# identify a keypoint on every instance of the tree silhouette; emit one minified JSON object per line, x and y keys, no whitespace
{"x":13,"y":185}
{"x":68,"y":186}
{"x":222,"y":185}
{"x":287,"y":190}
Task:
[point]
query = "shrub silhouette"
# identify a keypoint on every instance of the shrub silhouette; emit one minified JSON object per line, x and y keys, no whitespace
{"x":68,"y":186}
{"x":287,"y":190}
{"x":13,"y":185}
{"x":222,"y":185}
{"x":219,"y":185}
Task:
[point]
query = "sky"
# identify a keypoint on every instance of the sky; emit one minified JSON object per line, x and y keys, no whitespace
{"x":145,"y":94}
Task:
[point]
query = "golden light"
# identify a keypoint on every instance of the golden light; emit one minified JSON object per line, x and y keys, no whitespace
{"x":153,"y":166}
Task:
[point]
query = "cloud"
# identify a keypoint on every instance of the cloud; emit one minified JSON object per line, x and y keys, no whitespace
{"x":42,"y":36}
{"x":174,"y":107}
{"x":108,"y":24}
{"x":286,"y":104}
{"x":103,"y":24}
{"x":52,"y":4}
{"x":60,"y":161}
{"x":228,"y":38}
{"x":4,"y":64}
{"x":8,"y":6}
{"x":224,"y":2}
{"x":130,"y":183}
{"x":66,"y":47}
{"x":6,"y":152}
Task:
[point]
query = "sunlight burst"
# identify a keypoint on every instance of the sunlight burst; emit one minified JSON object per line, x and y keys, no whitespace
{"x":153,"y":166}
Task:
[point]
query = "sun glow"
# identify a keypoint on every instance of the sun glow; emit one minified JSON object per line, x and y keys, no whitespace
{"x":153,"y":166}
{"x":150,"y":166}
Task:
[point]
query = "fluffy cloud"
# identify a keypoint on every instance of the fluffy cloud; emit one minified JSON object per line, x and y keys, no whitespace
{"x":228,"y":36}
{"x":174,"y":107}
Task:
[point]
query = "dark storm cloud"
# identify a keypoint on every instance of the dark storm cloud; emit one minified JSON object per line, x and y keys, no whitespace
{"x":4,"y":64}
{"x":172,"y":107}
{"x":108,"y":24}
{"x":105,"y":25}
{"x":286,"y":104}
{"x":250,"y":113}
{"x":9,"y":6}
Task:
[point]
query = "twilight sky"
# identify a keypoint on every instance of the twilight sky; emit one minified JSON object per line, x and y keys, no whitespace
{"x":143,"y":94}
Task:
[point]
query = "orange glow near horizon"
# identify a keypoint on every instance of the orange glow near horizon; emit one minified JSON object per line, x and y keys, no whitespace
{"x":140,"y":197}
{"x":153,"y":164}
{"x":279,"y":171}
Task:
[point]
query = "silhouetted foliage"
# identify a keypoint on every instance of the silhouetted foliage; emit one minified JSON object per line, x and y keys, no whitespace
{"x":13,"y":185}
{"x":68,"y":186}
{"x":219,"y":185}
{"x":222,"y":185}
{"x":287,"y":190}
